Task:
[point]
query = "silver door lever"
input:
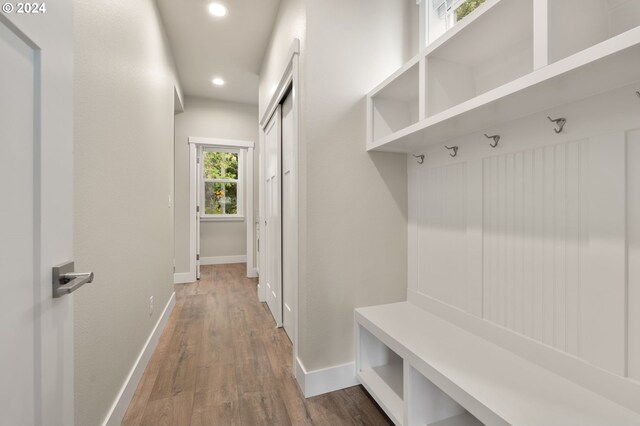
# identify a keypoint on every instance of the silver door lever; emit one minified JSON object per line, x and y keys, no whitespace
{"x":66,"y":281}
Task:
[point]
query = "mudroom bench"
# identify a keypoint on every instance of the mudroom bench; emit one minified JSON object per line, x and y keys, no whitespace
{"x":423,"y":370}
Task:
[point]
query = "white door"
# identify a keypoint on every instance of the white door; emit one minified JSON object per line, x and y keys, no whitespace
{"x":289,"y":278}
{"x":36,"y":215}
{"x":272,"y":245}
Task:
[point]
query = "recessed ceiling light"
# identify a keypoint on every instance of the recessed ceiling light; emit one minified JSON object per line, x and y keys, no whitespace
{"x":218,"y":81}
{"x":216,"y":9}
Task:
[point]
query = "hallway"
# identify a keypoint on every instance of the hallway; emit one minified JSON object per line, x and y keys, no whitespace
{"x":220,"y":361}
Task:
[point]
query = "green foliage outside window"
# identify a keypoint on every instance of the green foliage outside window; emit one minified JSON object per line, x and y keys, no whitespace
{"x":466,"y":8}
{"x":220,"y":197}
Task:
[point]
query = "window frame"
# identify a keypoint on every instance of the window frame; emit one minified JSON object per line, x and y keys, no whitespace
{"x":427,"y":7}
{"x":240,"y":182}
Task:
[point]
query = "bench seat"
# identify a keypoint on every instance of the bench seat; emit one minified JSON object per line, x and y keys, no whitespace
{"x":491,"y":383}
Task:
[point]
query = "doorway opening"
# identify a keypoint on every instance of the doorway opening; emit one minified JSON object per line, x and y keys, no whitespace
{"x":221,"y":203}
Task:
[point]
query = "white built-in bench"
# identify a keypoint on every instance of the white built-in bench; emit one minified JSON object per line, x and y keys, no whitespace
{"x":423,"y":370}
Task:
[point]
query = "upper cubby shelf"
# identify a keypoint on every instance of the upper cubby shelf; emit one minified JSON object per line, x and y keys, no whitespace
{"x":502,"y":64}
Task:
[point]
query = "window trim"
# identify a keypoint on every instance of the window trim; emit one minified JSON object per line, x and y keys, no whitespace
{"x":240,"y":216}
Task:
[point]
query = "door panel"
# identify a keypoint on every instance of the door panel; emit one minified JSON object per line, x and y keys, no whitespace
{"x":36,"y":215}
{"x":17,"y":231}
{"x":272,"y":245}
{"x":289,"y":278}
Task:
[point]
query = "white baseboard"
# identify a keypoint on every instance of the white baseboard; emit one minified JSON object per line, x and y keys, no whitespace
{"x":223,"y":260}
{"x":252,"y":273}
{"x":325,"y":380}
{"x":184,"y":277}
{"x":120,"y":405}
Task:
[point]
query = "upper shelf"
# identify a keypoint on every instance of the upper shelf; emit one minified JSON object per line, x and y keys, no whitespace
{"x":469,"y":80}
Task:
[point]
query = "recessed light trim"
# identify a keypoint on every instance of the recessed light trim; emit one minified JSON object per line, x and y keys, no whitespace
{"x":217,"y":9}
{"x":218,"y":81}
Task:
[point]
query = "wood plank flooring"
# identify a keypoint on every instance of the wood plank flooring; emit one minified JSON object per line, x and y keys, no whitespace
{"x":221,"y":361}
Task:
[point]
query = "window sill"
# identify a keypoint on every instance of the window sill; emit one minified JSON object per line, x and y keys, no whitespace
{"x":235,"y":218}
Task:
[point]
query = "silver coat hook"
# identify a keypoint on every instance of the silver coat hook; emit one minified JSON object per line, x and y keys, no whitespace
{"x":560,"y":122}
{"x":454,"y":149}
{"x":496,"y":139}
{"x":420,"y":158}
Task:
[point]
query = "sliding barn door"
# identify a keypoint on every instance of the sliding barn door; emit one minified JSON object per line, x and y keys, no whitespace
{"x":273,"y":216}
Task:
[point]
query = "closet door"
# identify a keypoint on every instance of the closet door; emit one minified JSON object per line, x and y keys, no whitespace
{"x":273,"y":216}
{"x":289,"y":278}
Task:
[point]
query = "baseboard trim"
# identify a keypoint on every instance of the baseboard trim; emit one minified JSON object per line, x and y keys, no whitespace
{"x":122,"y":401}
{"x":317,"y":382}
{"x":252,"y":273}
{"x":223,"y":260}
{"x":184,"y":277}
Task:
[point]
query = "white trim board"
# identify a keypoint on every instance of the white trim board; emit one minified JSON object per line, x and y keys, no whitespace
{"x":122,"y":401}
{"x":318,"y":382}
{"x":230,"y":143}
{"x":184,"y":277}
{"x":283,"y":83}
{"x":223,"y":260}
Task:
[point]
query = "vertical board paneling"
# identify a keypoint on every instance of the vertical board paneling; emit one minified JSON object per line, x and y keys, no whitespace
{"x":603,"y":287}
{"x":474,"y":237}
{"x":532,"y":242}
{"x":633,"y":224}
{"x":442,"y":227}
{"x":412,"y":230}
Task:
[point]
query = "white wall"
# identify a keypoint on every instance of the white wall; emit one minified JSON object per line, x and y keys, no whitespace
{"x":124,"y":100}
{"x":532,"y":237}
{"x":352,"y":205}
{"x":211,"y":119}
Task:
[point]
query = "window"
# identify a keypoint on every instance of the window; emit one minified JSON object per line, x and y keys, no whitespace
{"x":441,"y":15}
{"x":221,"y":186}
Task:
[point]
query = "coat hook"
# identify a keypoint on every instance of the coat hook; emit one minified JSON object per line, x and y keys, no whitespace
{"x":420,"y":158}
{"x":560,"y":122}
{"x":496,"y":139}
{"x":454,"y":149}
{"x":638,"y":93}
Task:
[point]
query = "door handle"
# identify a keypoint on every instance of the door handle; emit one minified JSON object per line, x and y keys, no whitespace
{"x":66,"y":281}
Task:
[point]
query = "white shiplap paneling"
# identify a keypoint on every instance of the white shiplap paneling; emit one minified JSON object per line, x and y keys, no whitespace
{"x":531,"y":236}
{"x":442,"y":227}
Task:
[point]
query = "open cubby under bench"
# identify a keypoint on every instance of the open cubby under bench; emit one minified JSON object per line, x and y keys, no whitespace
{"x":423,"y":370}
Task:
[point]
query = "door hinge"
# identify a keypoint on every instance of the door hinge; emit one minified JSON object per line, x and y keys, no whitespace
{"x":198,"y":160}
{"x":197,"y":257}
{"x":197,"y":209}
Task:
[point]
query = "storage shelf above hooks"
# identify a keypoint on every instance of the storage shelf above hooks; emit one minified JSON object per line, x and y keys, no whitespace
{"x":563,"y":77}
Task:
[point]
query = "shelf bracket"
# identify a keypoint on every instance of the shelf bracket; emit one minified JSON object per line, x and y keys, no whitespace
{"x":454,"y":149}
{"x":496,"y":139}
{"x":420,"y":158}
{"x":560,"y":122}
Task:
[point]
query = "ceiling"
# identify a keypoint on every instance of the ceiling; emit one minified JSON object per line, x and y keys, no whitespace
{"x":231,"y":47}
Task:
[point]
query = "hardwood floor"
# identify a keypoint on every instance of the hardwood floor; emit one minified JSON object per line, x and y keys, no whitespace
{"x":221,"y":361}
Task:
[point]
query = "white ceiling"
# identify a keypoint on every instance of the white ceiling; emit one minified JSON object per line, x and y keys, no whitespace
{"x":231,"y":47}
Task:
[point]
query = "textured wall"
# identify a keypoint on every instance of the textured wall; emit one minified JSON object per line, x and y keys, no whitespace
{"x":211,"y":119}
{"x":124,"y":100}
